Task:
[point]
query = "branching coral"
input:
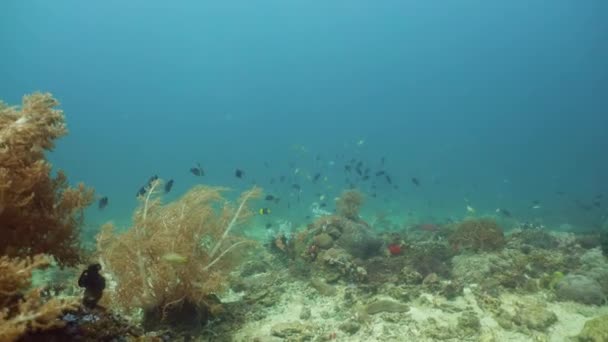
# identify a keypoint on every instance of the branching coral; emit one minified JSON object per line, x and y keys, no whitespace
{"x":175,"y":254}
{"x":477,"y":235}
{"x":23,"y":310}
{"x":38,"y":213}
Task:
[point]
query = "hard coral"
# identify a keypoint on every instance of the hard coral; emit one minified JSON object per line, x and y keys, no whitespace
{"x":177,"y":254}
{"x":477,"y":235}
{"x":38,"y":213}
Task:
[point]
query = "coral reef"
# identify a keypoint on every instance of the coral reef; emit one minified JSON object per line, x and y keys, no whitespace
{"x":38,"y":213}
{"x":535,"y":238}
{"x":24,"y":310}
{"x":176,"y":255}
{"x":477,"y":235}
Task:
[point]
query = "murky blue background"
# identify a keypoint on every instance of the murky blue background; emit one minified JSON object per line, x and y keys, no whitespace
{"x":492,"y":104}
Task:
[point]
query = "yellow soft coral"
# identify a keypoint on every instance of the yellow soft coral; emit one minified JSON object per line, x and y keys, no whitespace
{"x":38,"y":213}
{"x":23,"y":310}
{"x":174,"y":253}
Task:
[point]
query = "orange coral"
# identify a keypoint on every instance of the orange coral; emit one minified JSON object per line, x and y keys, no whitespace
{"x":23,"y":310}
{"x":175,"y":253}
{"x":38,"y":213}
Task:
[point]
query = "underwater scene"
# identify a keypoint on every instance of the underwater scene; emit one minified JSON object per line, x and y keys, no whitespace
{"x":270,"y":171}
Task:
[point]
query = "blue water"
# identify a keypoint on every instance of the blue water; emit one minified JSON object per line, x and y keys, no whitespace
{"x":492,"y":104}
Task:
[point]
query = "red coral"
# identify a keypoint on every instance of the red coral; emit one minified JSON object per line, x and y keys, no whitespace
{"x":395,"y":248}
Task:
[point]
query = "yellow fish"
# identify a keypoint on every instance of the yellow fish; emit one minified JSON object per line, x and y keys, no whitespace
{"x":264,"y":211}
{"x":174,"y":258}
{"x":470,"y":209}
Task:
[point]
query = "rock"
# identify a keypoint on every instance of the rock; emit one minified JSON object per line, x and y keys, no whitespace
{"x":385,"y":305}
{"x":430,"y":279}
{"x":595,"y":330}
{"x":534,"y":315}
{"x":305,"y":313}
{"x":410,"y":276}
{"x":253,"y":267}
{"x":350,"y":327}
{"x":324,"y":241}
{"x":468,"y":323}
{"x":255,"y":296}
{"x":293,"y":331}
{"x":323,"y":288}
{"x":580,"y":289}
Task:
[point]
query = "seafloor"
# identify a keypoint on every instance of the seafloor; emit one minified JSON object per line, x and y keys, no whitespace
{"x":189,"y":269}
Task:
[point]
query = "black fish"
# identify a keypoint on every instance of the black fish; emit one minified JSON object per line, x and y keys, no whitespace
{"x":359,"y":172}
{"x":323,"y":205}
{"x":366,"y":177}
{"x":347,"y":168}
{"x":239,"y":173}
{"x":382,"y":160}
{"x":296,"y":187}
{"x":316,"y":177}
{"x":152,"y":179}
{"x":269,"y":198}
{"x":141,"y":192}
{"x":94,"y":283}
{"x":388,"y":179}
{"x":380,"y":173}
{"x":103,"y":202}
{"x":198,"y":170}
{"x":268,"y":225}
{"x":168,"y":186}
{"x":415,"y":181}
